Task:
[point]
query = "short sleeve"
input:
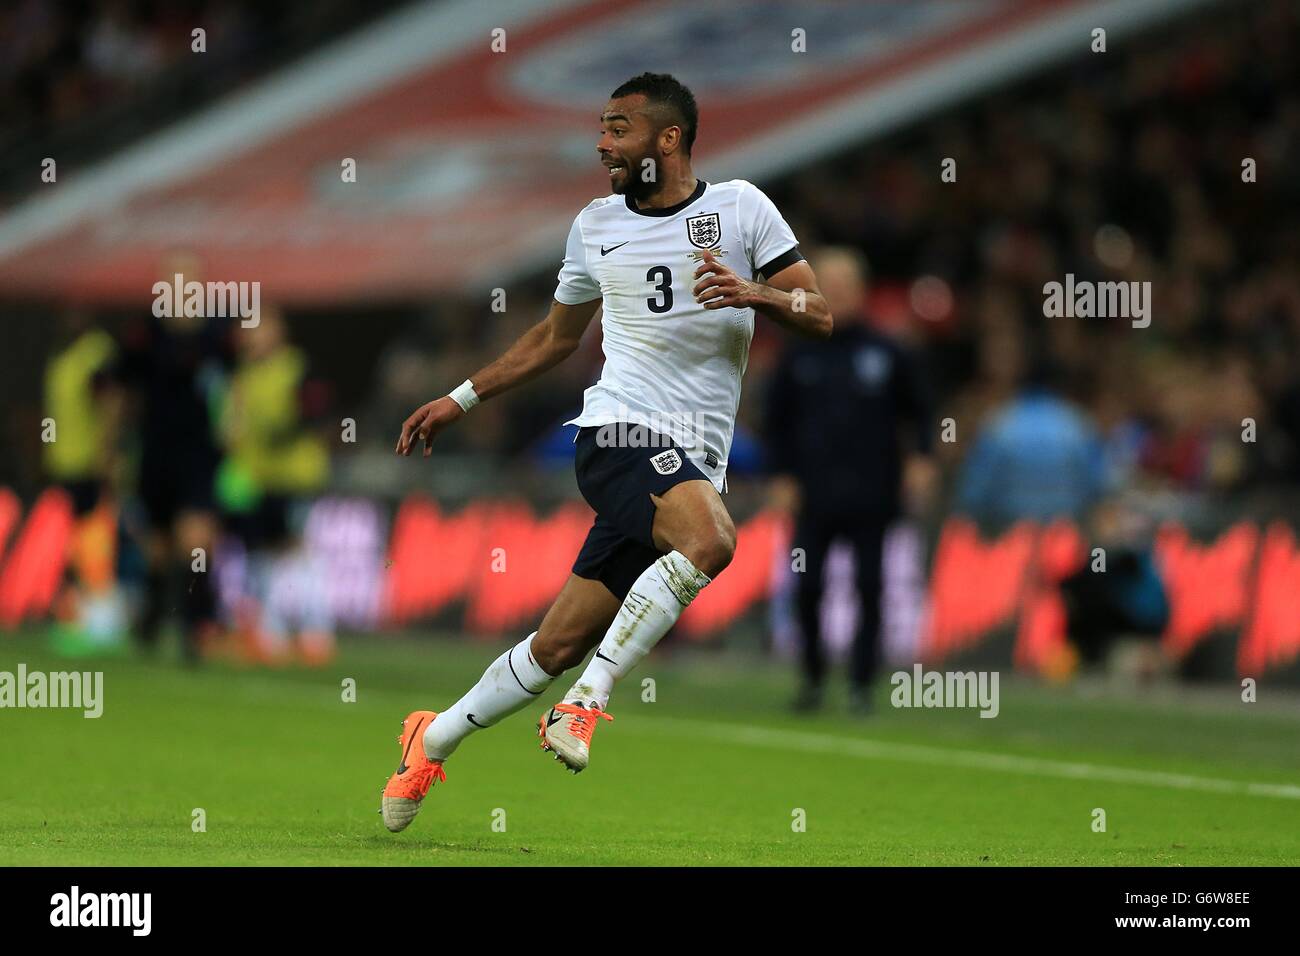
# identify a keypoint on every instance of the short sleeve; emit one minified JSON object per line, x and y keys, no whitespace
{"x":575,"y":283}
{"x":769,"y":241}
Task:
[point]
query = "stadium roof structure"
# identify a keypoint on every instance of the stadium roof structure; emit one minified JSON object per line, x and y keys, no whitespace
{"x":472,"y":127}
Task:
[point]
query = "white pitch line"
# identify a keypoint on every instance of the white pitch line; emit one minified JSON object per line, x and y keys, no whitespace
{"x":805,"y":742}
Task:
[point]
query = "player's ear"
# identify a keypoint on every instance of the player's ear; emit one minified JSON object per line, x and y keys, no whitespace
{"x":670,"y":139}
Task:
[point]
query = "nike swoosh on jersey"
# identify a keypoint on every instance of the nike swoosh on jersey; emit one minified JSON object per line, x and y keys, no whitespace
{"x":605,"y":252}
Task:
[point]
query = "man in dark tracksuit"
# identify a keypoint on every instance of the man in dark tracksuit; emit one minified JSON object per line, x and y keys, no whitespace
{"x":174,"y":368}
{"x":839,"y":415}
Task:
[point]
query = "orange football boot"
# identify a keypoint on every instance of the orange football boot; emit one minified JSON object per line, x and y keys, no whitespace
{"x":415,"y":774}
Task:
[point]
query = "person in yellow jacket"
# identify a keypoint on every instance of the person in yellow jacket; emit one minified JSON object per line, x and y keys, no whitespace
{"x":81,"y":419}
{"x":275,"y":459}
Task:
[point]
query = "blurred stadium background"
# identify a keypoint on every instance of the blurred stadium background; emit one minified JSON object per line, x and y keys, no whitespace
{"x":1176,"y":448}
{"x":1122,"y":165}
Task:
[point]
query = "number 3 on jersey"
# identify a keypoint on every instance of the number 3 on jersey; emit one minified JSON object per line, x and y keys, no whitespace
{"x":662,"y":277}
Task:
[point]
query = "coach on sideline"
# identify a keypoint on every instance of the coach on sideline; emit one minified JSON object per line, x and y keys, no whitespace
{"x":840,"y":414}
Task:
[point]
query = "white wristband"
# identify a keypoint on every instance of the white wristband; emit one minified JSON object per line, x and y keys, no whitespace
{"x":464,"y":395}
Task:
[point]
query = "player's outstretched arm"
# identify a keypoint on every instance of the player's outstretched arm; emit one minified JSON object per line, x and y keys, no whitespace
{"x":791,"y":297}
{"x":543,"y":346}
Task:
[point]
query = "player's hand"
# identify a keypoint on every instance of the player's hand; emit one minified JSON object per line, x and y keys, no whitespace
{"x":721,"y":288}
{"x":425,"y":423}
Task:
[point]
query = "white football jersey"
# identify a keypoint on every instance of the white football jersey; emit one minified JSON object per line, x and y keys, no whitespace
{"x":671,"y":364}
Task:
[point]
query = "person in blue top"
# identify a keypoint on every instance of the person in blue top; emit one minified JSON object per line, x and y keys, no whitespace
{"x":1037,"y":458}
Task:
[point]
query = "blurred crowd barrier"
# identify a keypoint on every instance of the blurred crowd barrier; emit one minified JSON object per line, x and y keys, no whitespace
{"x":953,"y":593}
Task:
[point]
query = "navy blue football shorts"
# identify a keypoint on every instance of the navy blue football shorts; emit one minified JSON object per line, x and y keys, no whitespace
{"x":617,"y":481}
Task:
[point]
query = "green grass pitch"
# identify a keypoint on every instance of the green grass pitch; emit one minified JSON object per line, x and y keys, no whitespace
{"x":711,"y":772}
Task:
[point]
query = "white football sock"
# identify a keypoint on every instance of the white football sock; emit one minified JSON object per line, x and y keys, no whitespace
{"x":511,"y":681}
{"x":654,"y":604}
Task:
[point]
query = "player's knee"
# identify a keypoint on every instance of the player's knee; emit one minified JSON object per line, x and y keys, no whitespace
{"x":558,"y":649}
{"x":711,"y":551}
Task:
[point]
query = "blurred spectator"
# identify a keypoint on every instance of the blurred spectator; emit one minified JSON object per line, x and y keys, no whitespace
{"x":1037,"y":458}
{"x":75,"y":401}
{"x":273,"y":459}
{"x":82,"y":414}
{"x":842,"y":415}
{"x":1124,"y":596}
{"x":175,"y":369}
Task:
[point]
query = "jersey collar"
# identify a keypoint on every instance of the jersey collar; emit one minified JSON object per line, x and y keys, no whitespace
{"x":700,"y":186}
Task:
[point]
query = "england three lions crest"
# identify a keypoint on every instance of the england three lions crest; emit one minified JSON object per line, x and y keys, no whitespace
{"x":704,"y":231}
{"x":666,"y":462}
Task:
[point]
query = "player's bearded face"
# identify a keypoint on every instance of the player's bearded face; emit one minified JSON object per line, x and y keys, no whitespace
{"x":629,"y":149}
{"x":626,"y":166}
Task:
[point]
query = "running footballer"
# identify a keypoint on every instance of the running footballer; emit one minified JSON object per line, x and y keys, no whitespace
{"x":680,"y":267}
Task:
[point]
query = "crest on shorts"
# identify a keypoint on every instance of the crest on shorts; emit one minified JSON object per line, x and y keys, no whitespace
{"x":666,"y":462}
{"x":704,"y":231}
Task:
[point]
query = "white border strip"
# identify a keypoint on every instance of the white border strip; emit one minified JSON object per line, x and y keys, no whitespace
{"x":418,"y":38}
{"x":1062,"y":36}
{"x":349,"y":69}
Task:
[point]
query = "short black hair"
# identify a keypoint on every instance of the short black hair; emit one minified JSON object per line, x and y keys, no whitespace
{"x":665,"y":90}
